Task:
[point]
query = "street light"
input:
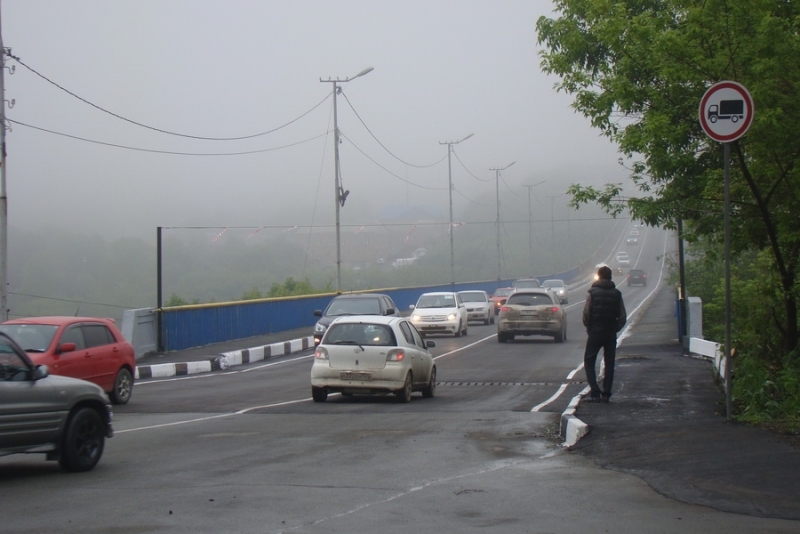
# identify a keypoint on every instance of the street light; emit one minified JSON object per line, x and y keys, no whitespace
{"x":497,"y":193}
{"x":450,"y":192}
{"x":530,"y":226}
{"x":339,"y":195}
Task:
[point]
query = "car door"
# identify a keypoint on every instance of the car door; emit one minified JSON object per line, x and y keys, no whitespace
{"x":104,"y":352}
{"x":425,"y":358}
{"x":29,"y":411}
{"x":410,"y":346}
{"x":75,"y":363}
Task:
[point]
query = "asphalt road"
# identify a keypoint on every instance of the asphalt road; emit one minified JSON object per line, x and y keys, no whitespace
{"x":246,"y":450}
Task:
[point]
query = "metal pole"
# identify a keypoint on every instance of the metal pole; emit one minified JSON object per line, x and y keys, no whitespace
{"x":450,"y":193}
{"x":497,"y":221}
{"x":682,"y":276}
{"x":337,"y":174}
{"x":337,"y":189}
{"x":159,"y":293}
{"x":3,"y":198}
{"x":726,"y":154}
{"x":530,"y":233}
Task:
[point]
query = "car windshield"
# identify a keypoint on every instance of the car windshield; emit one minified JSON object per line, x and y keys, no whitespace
{"x":436,"y":301}
{"x":519,"y":284}
{"x":503,"y":292}
{"x":553,"y":283}
{"x":473,"y":296}
{"x":362,"y":334}
{"x":31,"y":337}
{"x":529,"y":299}
{"x":339,"y":307}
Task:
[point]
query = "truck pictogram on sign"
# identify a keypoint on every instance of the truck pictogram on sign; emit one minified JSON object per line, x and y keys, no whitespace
{"x":727,"y":109}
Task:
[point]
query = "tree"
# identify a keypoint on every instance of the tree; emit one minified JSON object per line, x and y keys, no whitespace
{"x":638,"y":70}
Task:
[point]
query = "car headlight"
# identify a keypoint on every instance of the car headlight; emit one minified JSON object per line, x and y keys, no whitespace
{"x":320,"y":328}
{"x":451,"y":317}
{"x":415,"y":318}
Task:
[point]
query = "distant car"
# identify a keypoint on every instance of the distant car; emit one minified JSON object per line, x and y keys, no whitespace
{"x":622,"y":259}
{"x":89,"y":348}
{"x":355,"y":304}
{"x":632,"y":240}
{"x":375,"y":356}
{"x":637,"y":277}
{"x":532,"y":312}
{"x":525,"y":283}
{"x":440,"y":313}
{"x":559,"y":288}
{"x":499,"y":297}
{"x":65,"y":418}
{"x":479,"y":307}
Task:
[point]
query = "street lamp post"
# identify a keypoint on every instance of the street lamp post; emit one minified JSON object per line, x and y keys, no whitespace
{"x":450,"y":192}
{"x":497,"y":222}
{"x":530,"y":226}
{"x":338,"y":193}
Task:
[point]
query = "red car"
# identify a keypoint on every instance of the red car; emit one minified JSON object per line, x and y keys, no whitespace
{"x":499,"y":297}
{"x":88,"y":348}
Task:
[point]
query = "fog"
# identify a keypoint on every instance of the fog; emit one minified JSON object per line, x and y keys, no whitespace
{"x":98,"y":84}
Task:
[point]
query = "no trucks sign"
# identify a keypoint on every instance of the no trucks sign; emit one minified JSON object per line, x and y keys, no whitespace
{"x":726,"y":111}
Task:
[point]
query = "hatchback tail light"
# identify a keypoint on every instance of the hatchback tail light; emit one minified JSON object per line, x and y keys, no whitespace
{"x":321,"y":353}
{"x":395,"y":355}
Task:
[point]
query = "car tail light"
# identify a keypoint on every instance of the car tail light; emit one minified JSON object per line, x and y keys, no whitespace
{"x":321,"y":353}
{"x":395,"y":355}
{"x":554,"y":309}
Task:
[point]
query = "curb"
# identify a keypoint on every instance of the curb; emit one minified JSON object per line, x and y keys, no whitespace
{"x":224,"y":360}
{"x":572,"y":429}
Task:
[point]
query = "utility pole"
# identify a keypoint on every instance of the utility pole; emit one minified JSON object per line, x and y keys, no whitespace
{"x":497,"y":221}
{"x":450,"y":192}
{"x":339,"y":194}
{"x":530,"y":227}
{"x":3,"y":198}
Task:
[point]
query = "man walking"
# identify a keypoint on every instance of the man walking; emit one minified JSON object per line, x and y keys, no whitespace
{"x":603,"y":316}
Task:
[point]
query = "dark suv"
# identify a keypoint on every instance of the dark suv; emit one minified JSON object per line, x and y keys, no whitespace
{"x":353,"y":304}
{"x":637,"y":276}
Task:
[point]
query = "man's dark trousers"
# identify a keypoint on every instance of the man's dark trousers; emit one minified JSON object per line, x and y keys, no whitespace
{"x":606,"y":340}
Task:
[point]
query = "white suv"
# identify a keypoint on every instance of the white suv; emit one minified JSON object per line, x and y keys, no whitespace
{"x":440,"y":313}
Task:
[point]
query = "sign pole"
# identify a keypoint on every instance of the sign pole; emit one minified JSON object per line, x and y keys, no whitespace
{"x":726,"y":154}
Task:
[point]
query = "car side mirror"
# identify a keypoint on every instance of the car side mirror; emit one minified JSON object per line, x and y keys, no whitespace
{"x":40,"y":371}
{"x":430,"y":344}
{"x":65,"y":347}
{"x":317,"y":313}
{"x":410,"y":306}
{"x":390,"y":311}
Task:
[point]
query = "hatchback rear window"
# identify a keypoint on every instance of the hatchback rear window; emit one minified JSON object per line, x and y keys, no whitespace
{"x":529,"y":300}
{"x":360,"y":334}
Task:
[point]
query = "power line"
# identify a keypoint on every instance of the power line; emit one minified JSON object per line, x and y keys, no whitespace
{"x":68,"y":300}
{"x":174,"y":153}
{"x":238,"y":138}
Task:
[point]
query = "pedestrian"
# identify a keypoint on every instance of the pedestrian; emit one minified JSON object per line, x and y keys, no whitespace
{"x":603,"y":316}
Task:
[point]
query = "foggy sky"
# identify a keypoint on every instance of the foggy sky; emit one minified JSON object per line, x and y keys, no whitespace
{"x":214,"y":68}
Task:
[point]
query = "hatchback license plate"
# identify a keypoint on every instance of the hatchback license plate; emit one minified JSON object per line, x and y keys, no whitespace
{"x":354,"y":376}
{"x":529,"y":313}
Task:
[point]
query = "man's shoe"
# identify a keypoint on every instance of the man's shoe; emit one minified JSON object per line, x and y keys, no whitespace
{"x":591,"y":398}
{"x":605,"y":399}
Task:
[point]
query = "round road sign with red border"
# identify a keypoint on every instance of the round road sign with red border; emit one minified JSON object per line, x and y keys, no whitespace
{"x":726,"y":111}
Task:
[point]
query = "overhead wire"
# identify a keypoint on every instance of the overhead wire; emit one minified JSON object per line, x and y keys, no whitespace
{"x":171,"y":152}
{"x":153,"y":128}
{"x":384,"y":146}
{"x":468,"y":171}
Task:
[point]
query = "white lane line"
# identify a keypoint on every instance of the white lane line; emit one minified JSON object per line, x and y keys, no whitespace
{"x":465,"y":346}
{"x":625,"y":333}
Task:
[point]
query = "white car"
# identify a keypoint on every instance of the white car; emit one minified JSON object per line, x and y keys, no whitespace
{"x":479,"y":307}
{"x":558,"y":287}
{"x":440,"y":313}
{"x":373,"y":355}
{"x":622,"y":259}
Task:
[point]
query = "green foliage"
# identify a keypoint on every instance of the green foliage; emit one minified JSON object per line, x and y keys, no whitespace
{"x":638,"y":70}
{"x":175,"y":300}
{"x":253,"y":294}
{"x":291,"y":287}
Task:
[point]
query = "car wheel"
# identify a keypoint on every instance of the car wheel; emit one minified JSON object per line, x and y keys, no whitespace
{"x":487,"y":320}
{"x":83,"y":441}
{"x":404,"y":394}
{"x":464,"y":332}
{"x":319,"y":394}
{"x":430,"y":390}
{"x":492,"y":319}
{"x":458,"y":331}
{"x":501,"y":337}
{"x":123,"y":387}
{"x":559,"y":337}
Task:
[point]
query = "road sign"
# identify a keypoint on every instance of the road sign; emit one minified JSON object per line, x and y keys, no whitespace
{"x":726,"y":111}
